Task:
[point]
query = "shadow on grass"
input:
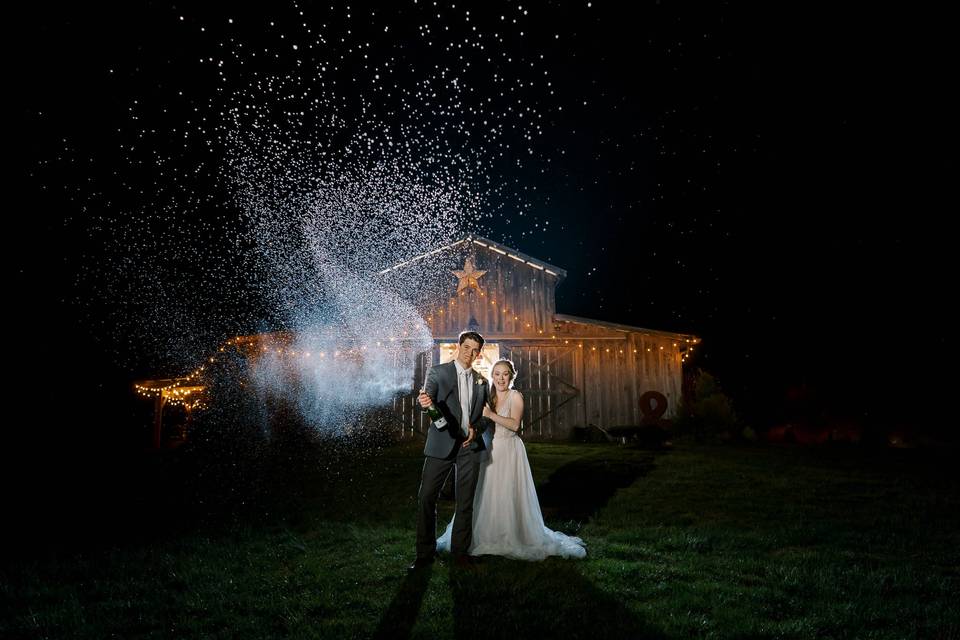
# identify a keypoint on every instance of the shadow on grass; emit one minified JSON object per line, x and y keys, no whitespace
{"x":500,"y":597}
{"x":576,"y":491}
{"x":401,"y":615}
{"x":504,"y":598}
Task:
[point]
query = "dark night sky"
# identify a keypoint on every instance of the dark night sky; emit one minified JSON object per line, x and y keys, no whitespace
{"x":771,"y":181}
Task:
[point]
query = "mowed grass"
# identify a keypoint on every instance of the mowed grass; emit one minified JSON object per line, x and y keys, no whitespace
{"x":695,"y":542}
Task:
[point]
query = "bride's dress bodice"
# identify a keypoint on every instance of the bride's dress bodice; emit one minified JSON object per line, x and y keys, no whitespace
{"x":503,"y":409}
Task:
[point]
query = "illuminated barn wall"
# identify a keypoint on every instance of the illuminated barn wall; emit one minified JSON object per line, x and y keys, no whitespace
{"x":572,"y":371}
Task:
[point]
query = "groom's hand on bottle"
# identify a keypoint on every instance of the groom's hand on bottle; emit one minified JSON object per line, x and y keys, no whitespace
{"x":471,"y":436}
{"x":424,"y":399}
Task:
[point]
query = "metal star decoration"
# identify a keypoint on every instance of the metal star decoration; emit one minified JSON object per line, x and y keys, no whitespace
{"x":468,"y":276}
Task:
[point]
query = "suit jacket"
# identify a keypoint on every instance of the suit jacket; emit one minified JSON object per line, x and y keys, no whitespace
{"x":442,"y":386}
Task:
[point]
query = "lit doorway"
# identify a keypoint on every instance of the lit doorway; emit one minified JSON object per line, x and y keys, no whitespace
{"x":488,"y":355}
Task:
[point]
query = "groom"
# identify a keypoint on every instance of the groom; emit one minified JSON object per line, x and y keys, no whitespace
{"x":460,"y":394}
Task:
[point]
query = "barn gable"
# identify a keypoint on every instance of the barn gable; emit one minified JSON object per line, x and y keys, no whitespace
{"x":489,"y":288}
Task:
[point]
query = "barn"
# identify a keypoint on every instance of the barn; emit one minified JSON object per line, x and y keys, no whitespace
{"x":573,"y":371}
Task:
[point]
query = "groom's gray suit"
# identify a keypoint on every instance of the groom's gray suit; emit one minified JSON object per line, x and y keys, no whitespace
{"x":443,"y":451}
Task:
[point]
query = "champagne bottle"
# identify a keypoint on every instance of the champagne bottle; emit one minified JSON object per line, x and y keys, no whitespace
{"x":438,"y":420}
{"x":435,"y":416}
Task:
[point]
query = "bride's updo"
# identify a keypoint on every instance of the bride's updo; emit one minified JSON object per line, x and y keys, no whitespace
{"x":513,"y":376}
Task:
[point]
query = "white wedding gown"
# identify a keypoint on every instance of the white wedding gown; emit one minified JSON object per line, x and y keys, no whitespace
{"x":506,"y":513}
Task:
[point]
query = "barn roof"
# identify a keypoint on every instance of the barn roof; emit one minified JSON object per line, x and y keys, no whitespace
{"x":494,"y":246}
{"x":562,"y":317}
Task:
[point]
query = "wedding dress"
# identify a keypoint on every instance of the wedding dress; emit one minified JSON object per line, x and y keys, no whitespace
{"x":506,"y":512}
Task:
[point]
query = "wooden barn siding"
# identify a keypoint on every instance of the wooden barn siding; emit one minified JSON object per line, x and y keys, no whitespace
{"x":611,"y":370}
{"x":545,"y":376}
{"x":658,"y":369}
{"x":610,"y":376}
{"x":525,"y":292}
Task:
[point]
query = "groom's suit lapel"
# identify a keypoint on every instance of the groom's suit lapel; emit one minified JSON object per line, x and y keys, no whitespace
{"x":476,"y":392}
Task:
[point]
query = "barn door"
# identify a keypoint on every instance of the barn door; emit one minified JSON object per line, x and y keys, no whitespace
{"x":545,"y":376}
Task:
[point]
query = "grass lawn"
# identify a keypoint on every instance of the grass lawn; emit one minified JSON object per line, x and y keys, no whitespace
{"x":699,"y":541}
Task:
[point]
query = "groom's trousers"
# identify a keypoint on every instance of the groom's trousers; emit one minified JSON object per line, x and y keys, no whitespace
{"x":465,"y":465}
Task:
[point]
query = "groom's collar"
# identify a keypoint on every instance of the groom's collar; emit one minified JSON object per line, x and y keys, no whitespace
{"x":460,"y":367}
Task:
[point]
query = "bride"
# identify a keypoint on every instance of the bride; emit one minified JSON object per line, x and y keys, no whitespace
{"x":506,"y":513}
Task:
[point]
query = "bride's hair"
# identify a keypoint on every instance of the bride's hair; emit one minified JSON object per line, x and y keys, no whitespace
{"x":513,"y":376}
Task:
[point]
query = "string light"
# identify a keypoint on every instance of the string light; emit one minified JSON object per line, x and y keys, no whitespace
{"x":185,"y":391}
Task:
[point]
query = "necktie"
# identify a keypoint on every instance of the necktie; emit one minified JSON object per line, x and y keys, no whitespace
{"x":465,"y":401}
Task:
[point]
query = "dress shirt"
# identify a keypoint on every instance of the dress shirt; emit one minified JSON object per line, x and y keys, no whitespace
{"x":464,"y":382}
